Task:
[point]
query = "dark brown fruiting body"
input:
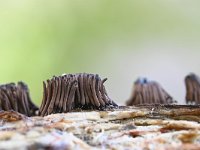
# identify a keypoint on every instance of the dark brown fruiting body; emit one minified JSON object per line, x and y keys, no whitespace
{"x":16,"y":97}
{"x":148,"y":92}
{"x":192,"y":83}
{"x":72,"y":91}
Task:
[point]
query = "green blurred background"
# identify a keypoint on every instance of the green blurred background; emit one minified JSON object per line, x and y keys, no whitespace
{"x":120,"y":40}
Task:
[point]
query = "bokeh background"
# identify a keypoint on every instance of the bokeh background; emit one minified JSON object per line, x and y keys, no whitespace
{"x":121,"y":40}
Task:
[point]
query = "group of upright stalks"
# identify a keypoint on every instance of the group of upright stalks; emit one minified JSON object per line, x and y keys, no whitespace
{"x":73,"y":91}
{"x":84,"y":91}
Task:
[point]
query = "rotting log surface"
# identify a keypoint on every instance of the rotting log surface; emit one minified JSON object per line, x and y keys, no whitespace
{"x":142,"y":127}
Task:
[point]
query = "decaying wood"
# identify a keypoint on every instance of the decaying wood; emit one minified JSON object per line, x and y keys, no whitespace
{"x":140,"y":127}
{"x":163,"y":111}
{"x":72,"y":91}
{"x":148,"y":92}
{"x":11,"y":116}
